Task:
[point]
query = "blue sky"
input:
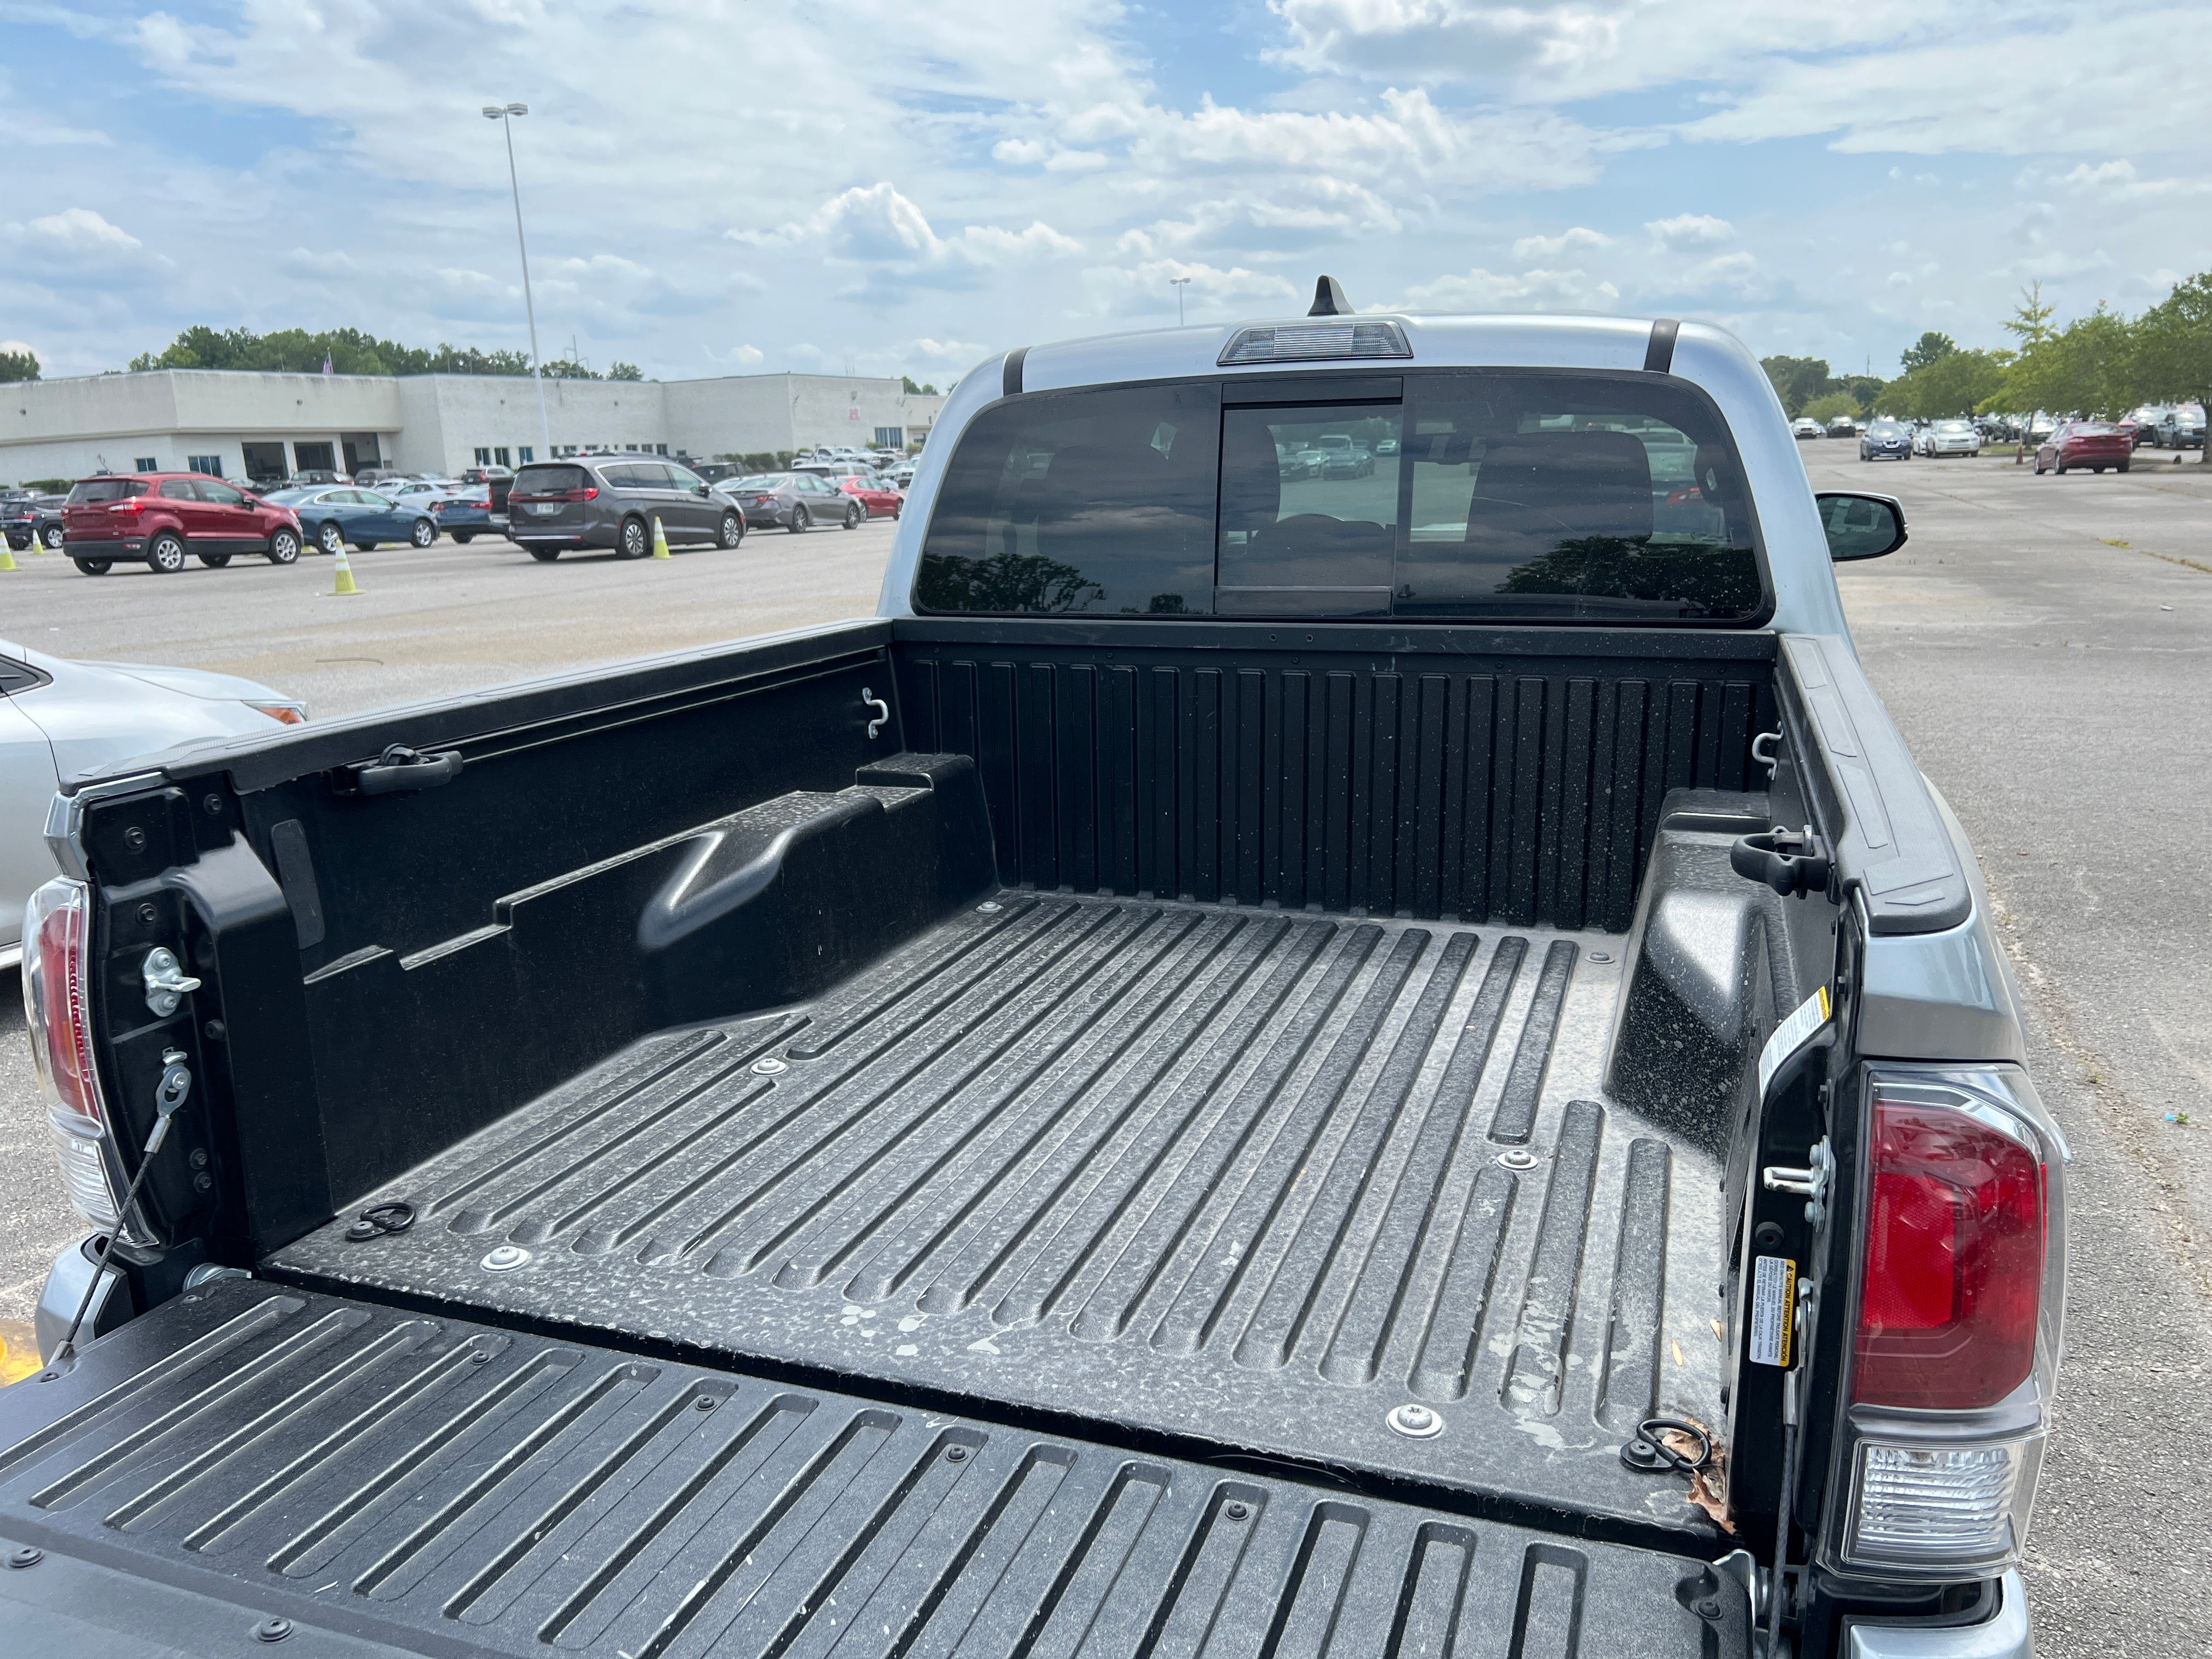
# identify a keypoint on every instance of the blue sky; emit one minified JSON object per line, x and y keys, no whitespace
{"x":725,"y":187}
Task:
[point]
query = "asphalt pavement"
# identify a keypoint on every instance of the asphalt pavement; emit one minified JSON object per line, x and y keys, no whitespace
{"x":2042,"y":642}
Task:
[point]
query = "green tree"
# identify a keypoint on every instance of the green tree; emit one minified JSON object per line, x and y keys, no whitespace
{"x":349,"y":350}
{"x":1825,"y":408}
{"x":1955,"y":383}
{"x":619,"y":370}
{"x":1864,"y":389}
{"x":1929,"y":347}
{"x":18,"y":366}
{"x":1798,"y":380}
{"x":913,"y":389}
{"x":2031,"y":321}
{"x":2086,"y":367}
{"x":2172,"y":343}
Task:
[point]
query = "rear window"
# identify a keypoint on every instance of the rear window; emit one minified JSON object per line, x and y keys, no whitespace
{"x":1097,"y":502}
{"x":764,"y":481}
{"x":1479,"y":496}
{"x":549,"y":481}
{"x":93,"y":491}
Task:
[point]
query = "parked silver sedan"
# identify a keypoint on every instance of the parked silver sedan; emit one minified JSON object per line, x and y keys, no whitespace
{"x":59,"y":717}
{"x":1944,"y":438}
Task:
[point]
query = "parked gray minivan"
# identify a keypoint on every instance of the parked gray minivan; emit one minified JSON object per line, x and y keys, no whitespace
{"x":612,"y":500}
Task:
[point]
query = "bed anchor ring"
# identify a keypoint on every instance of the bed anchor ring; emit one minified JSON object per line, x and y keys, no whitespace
{"x":870,"y":699}
{"x":1650,"y":1453}
{"x":381,"y":1218}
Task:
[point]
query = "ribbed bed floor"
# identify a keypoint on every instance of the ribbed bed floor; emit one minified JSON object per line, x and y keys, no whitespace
{"x":1244,"y":1175}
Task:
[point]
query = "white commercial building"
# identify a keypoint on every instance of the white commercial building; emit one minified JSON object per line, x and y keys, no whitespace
{"x":254,"y":426}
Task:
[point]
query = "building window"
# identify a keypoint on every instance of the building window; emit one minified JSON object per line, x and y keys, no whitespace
{"x":499,"y":457}
{"x":891,"y":437}
{"x":527,"y":455}
{"x":483,"y":457}
{"x":211,"y":465}
{"x":149,"y":463}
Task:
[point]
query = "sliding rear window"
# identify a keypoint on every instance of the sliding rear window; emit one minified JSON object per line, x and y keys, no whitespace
{"x":1467,"y":496}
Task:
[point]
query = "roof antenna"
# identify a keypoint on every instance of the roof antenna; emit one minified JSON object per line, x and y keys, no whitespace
{"x":1329,"y":298}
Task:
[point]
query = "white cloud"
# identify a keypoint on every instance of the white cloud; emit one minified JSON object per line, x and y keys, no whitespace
{"x":1689,"y":229}
{"x":747,"y":357}
{"x":875,"y":225}
{"x":1550,"y":247}
{"x":79,"y":231}
{"x":1145,"y":290}
{"x":1530,"y":290}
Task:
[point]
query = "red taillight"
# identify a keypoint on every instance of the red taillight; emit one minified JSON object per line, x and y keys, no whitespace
{"x":54,"y":1002}
{"x":128,"y":504}
{"x":1956,"y":1233}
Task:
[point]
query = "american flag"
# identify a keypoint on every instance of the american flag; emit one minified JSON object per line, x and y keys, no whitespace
{"x":326,"y":362}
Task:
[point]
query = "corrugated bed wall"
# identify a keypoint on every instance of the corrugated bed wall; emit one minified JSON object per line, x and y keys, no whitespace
{"x":1524,"y":792}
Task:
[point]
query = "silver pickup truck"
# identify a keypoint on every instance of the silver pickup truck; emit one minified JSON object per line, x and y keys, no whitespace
{"x":1384,"y":1059}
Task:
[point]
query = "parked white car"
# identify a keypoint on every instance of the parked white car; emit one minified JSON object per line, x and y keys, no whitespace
{"x":59,"y":717}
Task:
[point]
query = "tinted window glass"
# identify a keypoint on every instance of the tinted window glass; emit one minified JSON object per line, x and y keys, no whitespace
{"x":763,"y":481}
{"x":549,"y":480}
{"x":179,"y":490}
{"x":1571,"y":498}
{"x":1309,"y":510}
{"x":682,"y":478}
{"x":1099,"y":501}
{"x":220,"y":494}
{"x":95,"y":490}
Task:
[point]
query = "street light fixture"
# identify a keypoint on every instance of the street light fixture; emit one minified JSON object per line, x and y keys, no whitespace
{"x":501,"y":113}
{"x":1179,"y":283}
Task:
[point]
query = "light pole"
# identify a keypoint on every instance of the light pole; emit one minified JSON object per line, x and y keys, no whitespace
{"x":501,"y":113}
{"x":1179,"y":283}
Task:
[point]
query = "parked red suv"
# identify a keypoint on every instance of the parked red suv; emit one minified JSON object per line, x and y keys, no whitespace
{"x":159,"y":519}
{"x":2093,"y":444}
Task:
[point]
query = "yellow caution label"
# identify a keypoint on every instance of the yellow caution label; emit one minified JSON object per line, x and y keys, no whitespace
{"x":1796,"y":1029}
{"x":1773,"y":1310}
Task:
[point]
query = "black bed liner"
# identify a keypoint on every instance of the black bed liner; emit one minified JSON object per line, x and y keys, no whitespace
{"x":1192,"y":1175}
{"x":390,"y":1482}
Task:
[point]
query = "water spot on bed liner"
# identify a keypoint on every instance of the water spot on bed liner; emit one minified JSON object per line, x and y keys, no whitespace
{"x":911,"y":1322}
{"x":984,"y":1345}
{"x":1542,"y":1433}
{"x":906,"y":1351}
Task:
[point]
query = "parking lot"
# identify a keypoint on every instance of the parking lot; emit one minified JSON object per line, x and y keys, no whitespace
{"x":2042,"y":641}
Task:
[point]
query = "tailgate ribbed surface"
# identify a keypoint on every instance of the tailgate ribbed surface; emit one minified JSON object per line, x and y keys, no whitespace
{"x":445,"y":1488}
{"x":1229,"y":1174}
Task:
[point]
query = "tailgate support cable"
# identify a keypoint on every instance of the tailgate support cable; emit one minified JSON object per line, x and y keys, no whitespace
{"x":169,"y":1095}
{"x":1791,"y":1436}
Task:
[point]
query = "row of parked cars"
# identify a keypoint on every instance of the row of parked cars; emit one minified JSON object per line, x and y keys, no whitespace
{"x":166,"y":519}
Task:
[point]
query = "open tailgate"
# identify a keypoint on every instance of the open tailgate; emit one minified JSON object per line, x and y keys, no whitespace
{"x":390,"y":1482}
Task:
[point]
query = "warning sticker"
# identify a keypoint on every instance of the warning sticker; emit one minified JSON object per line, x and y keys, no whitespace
{"x":1792,"y":1033}
{"x":1773,"y":1304}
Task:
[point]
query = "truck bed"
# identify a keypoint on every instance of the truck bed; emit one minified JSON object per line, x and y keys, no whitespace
{"x":247,"y":1464}
{"x":1190,"y":1175}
